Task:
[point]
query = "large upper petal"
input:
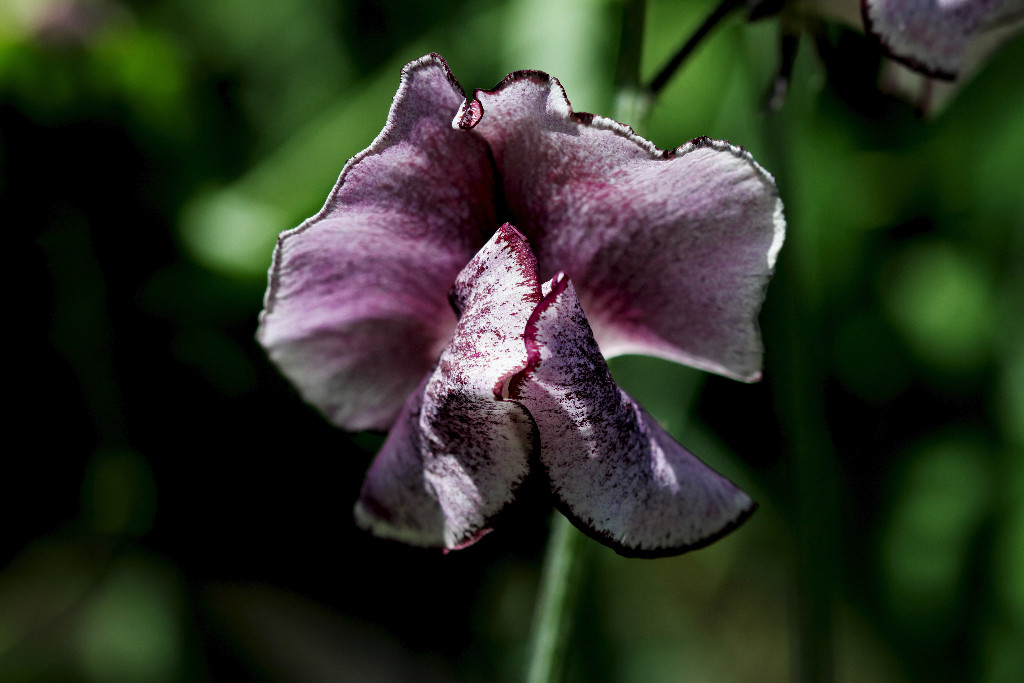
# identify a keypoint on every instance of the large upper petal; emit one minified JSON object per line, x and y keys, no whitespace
{"x":356,"y":310}
{"x":459,"y":451}
{"x":671,"y":251}
{"x":933,"y":36}
{"x":614,"y":471}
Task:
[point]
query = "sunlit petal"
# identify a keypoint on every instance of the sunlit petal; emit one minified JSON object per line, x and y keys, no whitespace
{"x":356,"y":310}
{"x":615,"y":472}
{"x":472,"y":448}
{"x":671,"y":251}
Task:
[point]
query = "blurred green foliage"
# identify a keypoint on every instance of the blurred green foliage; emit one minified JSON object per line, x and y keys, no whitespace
{"x":175,"y":513}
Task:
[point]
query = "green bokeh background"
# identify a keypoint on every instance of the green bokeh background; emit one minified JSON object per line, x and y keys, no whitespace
{"x":173,"y":512}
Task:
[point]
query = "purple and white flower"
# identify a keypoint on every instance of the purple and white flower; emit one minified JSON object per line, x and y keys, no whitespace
{"x":411,"y":303}
{"x":934,"y":46}
{"x":935,"y":37}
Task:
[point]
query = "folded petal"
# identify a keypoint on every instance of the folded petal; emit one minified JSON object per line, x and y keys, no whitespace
{"x":671,"y":251}
{"x":616,"y":474}
{"x":932,"y":36}
{"x":459,"y":440}
{"x":396,"y":502}
{"x":356,"y":310}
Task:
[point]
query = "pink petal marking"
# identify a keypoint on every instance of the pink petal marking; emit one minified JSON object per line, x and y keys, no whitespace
{"x":617,"y":474}
{"x":356,"y":308}
{"x":671,"y":251}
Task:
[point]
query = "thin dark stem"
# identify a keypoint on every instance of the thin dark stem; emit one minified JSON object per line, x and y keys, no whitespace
{"x":723,"y":10}
{"x":780,"y":84}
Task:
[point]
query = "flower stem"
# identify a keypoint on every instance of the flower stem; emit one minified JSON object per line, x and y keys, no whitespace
{"x":800,"y":376}
{"x":724,"y":8}
{"x":556,"y":601}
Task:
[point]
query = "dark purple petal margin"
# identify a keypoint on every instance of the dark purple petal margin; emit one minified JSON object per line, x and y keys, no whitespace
{"x":613,"y":470}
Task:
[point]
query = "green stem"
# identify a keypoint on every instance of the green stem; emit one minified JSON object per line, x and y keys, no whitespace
{"x":556,"y":601}
{"x":815,"y":493}
{"x":799,"y":378}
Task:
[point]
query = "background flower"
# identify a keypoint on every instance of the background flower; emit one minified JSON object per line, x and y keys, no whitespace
{"x":935,"y":47}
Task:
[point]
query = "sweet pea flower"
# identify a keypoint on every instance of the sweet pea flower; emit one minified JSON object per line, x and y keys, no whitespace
{"x":411,"y":303}
{"x":934,"y":37}
{"x":934,"y":45}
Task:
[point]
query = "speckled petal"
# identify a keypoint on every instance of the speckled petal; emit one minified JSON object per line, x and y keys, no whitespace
{"x":472,"y":446}
{"x":356,"y":310}
{"x":617,"y":474}
{"x":933,"y":36}
{"x":671,"y":251}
